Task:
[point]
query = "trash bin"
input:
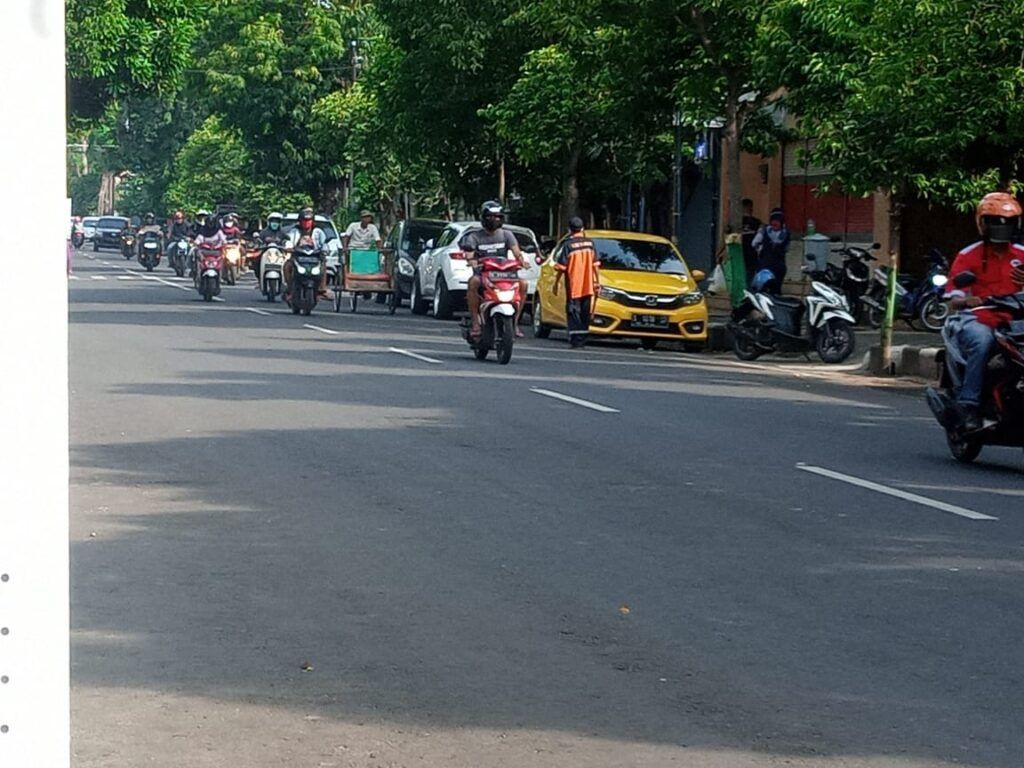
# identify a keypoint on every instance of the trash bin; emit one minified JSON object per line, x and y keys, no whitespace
{"x":816,"y":250}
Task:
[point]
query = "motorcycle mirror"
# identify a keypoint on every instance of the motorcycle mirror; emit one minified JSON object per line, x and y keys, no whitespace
{"x":429,"y":244}
{"x":965,"y":279}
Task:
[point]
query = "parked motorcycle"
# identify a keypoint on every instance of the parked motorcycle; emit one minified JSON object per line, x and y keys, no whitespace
{"x":232,"y":262}
{"x":150,"y":250}
{"x":764,"y":323}
{"x":208,"y":272}
{"x":179,"y":255}
{"x":272,"y":272}
{"x":499,"y":280}
{"x":307,"y":266}
{"x":128,"y":245}
{"x":1002,"y":403}
{"x":916,"y":300}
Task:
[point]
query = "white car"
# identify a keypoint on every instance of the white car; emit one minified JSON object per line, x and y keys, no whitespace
{"x":442,"y":274}
{"x":322,"y":222}
{"x":89,"y":226}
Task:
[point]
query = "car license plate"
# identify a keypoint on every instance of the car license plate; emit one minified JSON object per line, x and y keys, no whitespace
{"x":650,"y":321}
{"x":503,"y":275}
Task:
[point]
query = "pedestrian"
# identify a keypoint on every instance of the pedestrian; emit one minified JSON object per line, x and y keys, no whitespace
{"x":771,"y":243}
{"x":751,"y":224}
{"x":577,"y":262}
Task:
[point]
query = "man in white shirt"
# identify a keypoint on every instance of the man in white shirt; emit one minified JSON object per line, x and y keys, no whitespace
{"x":362,"y":235}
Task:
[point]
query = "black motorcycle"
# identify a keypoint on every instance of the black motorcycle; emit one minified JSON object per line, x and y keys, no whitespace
{"x":917,"y":300}
{"x":307,"y":267}
{"x":179,"y":255}
{"x":150,"y":250}
{"x":128,"y":245}
{"x":1002,"y":405}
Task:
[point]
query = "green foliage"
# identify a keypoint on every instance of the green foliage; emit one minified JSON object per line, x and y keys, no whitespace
{"x":925,"y":99}
{"x":118,"y":47}
{"x":212,"y":167}
{"x":84,"y":192}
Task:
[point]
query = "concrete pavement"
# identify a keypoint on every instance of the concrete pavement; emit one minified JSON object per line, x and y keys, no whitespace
{"x":295,"y":546}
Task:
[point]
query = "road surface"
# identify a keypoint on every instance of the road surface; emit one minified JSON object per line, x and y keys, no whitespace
{"x":341,"y":541}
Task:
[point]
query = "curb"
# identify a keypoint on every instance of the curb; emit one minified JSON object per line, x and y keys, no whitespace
{"x":907,"y":360}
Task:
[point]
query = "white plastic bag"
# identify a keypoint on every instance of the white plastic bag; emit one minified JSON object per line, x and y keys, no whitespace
{"x":717,"y":282}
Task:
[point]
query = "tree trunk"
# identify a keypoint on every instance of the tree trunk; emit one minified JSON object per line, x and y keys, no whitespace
{"x":570,"y":188}
{"x":734,"y":153}
{"x":501,"y":179}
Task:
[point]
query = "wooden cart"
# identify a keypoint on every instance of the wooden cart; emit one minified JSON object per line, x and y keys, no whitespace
{"x":366,"y":271}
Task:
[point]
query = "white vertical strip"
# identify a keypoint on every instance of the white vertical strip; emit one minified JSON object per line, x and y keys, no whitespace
{"x":34,"y":617}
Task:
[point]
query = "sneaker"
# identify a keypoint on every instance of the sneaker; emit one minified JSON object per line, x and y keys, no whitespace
{"x":970,"y":417}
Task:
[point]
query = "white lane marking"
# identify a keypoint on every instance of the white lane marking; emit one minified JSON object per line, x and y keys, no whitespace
{"x":72,"y":277}
{"x":158,"y":279}
{"x":256,"y":311}
{"x":104,"y":262}
{"x":215,"y":298}
{"x":125,"y":277}
{"x":970,"y":514}
{"x":98,"y":277}
{"x":328,"y":331}
{"x":574,"y":400}
{"x":414,"y":355}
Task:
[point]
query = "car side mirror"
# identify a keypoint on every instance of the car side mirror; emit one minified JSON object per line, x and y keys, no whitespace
{"x":965,"y":279}
{"x":698,"y":275}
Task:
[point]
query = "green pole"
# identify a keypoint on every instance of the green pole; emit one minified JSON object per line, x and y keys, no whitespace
{"x":735,"y":271}
{"x":890,"y":314}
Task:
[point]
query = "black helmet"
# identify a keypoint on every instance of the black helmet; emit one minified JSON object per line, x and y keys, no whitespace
{"x":492,"y":215}
{"x":149,"y":218}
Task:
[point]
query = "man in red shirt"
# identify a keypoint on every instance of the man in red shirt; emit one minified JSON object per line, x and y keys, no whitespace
{"x":998,"y":266}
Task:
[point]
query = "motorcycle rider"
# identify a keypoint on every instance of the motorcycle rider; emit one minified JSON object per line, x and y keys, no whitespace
{"x":272,"y":234}
{"x":492,"y":241}
{"x":210,"y":238}
{"x":200,"y":221}
{"x":148,"y":225}
{"x":998,"y":266}
{"x":306,"y":231}
{"x":180,"y":230}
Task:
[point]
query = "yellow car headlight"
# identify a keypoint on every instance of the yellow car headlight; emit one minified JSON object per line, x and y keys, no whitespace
{"x":690,"y":299}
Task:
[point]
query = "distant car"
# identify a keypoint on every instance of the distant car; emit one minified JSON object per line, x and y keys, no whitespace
{"x":442,"y":274}
{"x":647,"y":292}
{"x":89,"y":226}
{"x":108,"y":232}
{"x":408,"y":239}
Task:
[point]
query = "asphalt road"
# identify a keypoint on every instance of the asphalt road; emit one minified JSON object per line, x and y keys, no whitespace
{"x":295,"y":546}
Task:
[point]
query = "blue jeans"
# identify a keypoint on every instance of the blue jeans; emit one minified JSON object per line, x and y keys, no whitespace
{"x":975,"y":341}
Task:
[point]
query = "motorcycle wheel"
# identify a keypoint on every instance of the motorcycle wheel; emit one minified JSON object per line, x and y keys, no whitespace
{"x":875,"y":316}
{"x":934,"y":313}
{"x":481,"y":352}
{"x":963,"y":449}
{"x":506,"y":340}
{"x":149,"y":266}
{"x":295,"y":309}
{"x":744,"y":347}
{"x":179,"y":269}
{"x":206,"y":288}
{"x":835,"y":342}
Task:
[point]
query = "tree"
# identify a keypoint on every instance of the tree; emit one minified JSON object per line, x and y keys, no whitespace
{"x":922,"y":99}
{"x":115,"y":48}
{"x":214,"y":166}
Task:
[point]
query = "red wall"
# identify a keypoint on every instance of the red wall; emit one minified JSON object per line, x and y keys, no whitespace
{"x":833,"y":213}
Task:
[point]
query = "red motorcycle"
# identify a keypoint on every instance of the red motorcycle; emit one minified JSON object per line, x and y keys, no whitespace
{"x":210,"y":262}
{"x":499,"y":283}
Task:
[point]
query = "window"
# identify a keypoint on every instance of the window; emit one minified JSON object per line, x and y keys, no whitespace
{"x":638,"y":256}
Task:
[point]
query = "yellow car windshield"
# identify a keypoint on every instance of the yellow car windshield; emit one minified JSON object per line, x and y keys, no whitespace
{"x":638,"y":256}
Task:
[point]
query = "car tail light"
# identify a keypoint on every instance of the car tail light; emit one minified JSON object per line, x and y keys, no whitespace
{"x":539,"y":259}
{"x":459,"y":255}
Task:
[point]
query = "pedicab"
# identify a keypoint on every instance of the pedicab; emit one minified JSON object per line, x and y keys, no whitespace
{"x":366,"y":271}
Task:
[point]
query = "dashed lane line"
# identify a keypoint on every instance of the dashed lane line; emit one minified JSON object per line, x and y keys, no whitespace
{"x":970,"y":514}
{"x":98,"y":277}
{"x":574,"y":400}
{"x":328,"y":331}
{"x":414,"y":355}
{"x":256,"y":311}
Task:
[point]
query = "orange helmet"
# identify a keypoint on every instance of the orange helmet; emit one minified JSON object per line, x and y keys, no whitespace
{"x":998,"y":217}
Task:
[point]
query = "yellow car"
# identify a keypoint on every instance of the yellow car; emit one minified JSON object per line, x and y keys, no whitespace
{"x":647,"y":292}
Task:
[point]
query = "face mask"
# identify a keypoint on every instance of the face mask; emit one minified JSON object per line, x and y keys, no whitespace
{"x":275,"y":225}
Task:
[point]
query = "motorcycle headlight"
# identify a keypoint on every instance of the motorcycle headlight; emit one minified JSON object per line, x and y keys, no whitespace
{"x":695,"y":297}
{"x":505,"y":296}
{"x":405,"y":267}
{"x":300,"y":269}
{"x":939,"y":281}
{"x":315,"y":270}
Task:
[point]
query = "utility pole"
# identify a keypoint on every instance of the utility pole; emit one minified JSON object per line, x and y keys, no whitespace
{"x":677,"y":181}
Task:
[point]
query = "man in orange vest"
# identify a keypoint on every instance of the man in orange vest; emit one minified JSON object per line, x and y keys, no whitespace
{"x":577,"y":262}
